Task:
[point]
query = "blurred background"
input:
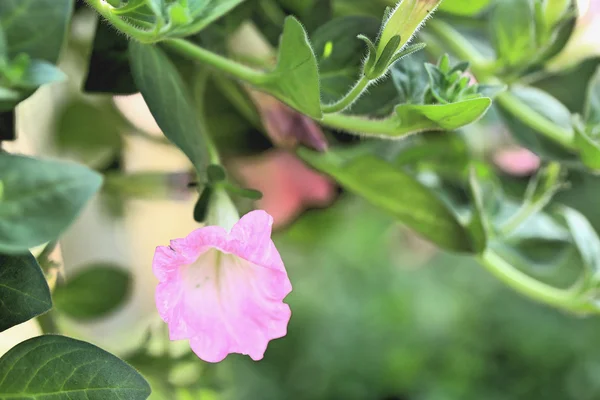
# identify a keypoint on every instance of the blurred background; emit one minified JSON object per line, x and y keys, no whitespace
{"x":377,"y":312}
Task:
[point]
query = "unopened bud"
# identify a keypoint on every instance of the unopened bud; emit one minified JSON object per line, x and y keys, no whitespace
{"x":405,"y":20}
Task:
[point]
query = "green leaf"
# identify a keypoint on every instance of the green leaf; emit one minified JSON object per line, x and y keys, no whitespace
{"x":39,"y":73}
{"x":513,"y":32}
{"x":396,"y":192}
{"x":99,"y":143}
{"x":589,"y":149}
{"x":295,"y":79}
{"x":109,"y":70}
{"x":548,"y":107}
{"x":94,"y":292}
{"x":35,"y":27}
{"x":464,"y":7}
{"x":24,"y":292}
{"x":41,"y":199}
{"x":592,"y":104}
{"x":585,"y":238}
{"x":60,"y":368}
{"x":409,"y":119}
{"x":411,"y":79}
{"x":169,"y":100}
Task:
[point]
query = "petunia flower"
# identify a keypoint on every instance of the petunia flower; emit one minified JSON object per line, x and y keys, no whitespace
{"x":223,"y":290}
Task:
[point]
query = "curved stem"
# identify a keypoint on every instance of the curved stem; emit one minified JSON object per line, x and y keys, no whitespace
{"x":528,"y":286}
{"x":106,"y":10}
{"x":196,"y":53}
{"x":346,"y":101}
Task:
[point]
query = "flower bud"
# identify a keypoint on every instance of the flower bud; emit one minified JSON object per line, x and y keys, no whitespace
{"x":404,"y":21}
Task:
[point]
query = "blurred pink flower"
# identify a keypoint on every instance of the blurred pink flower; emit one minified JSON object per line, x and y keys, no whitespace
{"x":518,"y":161}
{"x":585,"y":40}
{"x":224,"y":291}
{"x":288,"y":186}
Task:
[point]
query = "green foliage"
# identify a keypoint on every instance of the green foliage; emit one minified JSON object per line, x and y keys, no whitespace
{"x":61,"y":368}
{"x":23,"y":290}
{"x":94,"y":292}
{"x":397,"y":193}
{"x":41,"y":198}
{"x":295,"y":79}
{"x":169,"y":100}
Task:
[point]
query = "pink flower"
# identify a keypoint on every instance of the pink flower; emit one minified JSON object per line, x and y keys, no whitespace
{"x":224,"y":291}
{"x":518,"y":161}
{"x":287,"y":184}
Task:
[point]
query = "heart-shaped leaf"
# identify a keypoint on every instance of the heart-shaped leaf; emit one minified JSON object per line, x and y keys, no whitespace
{"x":24,"y":292}
{"x":41,"y":198}
{"x":54,"y":367}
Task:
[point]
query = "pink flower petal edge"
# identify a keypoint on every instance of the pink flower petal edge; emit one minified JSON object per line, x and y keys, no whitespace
{"x":224,"y":291}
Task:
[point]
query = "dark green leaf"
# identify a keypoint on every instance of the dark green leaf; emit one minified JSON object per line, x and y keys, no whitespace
{"x":61,"y":368}
{"x":35,"y":27}
{"x":24,"y":293}
{"x":109,"y":70}
{"x":41,"y":198}
{"x":168,"y":99}
{"x":411,"y":79}
{"x":397,"y":193}
{"x":295,"y":80}
{"x":201,"y":207}
{"x":512,"y":28}
{"x":94,"y":292}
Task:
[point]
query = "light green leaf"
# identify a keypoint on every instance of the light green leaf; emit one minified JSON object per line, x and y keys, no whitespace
{"x":24,"y":293}
{"x":592,"y":104}
{"x":409,"y":119}
{"x":589,"y":149}
{"x":464,"y":7}
{"x":39,"y":73}
{"x":41,"y":198}
{"x":295,"y":80}
{"x":585,"y":238}
{"x":52,"y":367}
{"x":35,"y":27}
{"x":94,"y":292}
{"x":396,"y":192}
{"x":513,"y":31}
{"x":204,"y":13}
{"x":169,"y":100}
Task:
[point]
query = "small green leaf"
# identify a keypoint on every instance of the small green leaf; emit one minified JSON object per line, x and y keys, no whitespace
{"x":201,"y":207}
{"x":39,"y":73}
{"x":60,"y":368}
{"x":410,"y":119}
{"x":203,"y":13}
{"x":295,"y":79}
{"x":589,"y":149}
{"x":94,"y":292}
{"x":546,"y":106}
{"x":24,"y":292}
{"x":169,"y":100}
{"x":585,"y":238}
{"x":216,"y":173}
{"x":411,"y":79}
{"x":592,"y":104}
{"x":513,"y":31}
{"x":41,"y":199}
{"x":396,"y":192}
{"x":37,"y":28}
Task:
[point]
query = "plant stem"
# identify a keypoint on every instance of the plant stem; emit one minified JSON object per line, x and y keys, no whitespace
{"x":196,"y":53}
{"x":528,"y":286}
{"x":349,"y":99}
{"x":106,"y":10}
